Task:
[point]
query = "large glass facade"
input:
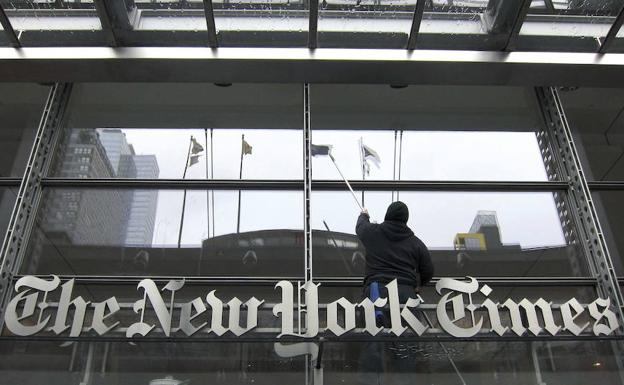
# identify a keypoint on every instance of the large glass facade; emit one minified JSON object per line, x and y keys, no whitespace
{"x":217,"y":187}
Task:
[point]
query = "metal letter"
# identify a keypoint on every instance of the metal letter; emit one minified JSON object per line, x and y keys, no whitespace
{"x":12,"y":319}
{"x":568,"y":317}
{"x":100,"y":315}
{"x":332,"y":316}
{"x":410,"y":318}
{"x":369,"y":314}
{"x":458,"y":306}
{"x":252,"y":315}
{"x":531,"y":314}
{"x":164,"y":315}
{"x":80,"y":306}
{"x":395,"y":308}
{"x":186,"y":316}
{"x":492,"y":308}
{"x":598,"y":315}
{"x":216,"y":305}
{"x":285,"y":308}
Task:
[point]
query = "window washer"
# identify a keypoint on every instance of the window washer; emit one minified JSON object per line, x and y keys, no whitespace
{"x":392,"y":252}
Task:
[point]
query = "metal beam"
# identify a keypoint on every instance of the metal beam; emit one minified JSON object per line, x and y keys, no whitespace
{"x":8,"y":29}
{"x":517,"y":25}
{"x":295,"y":185}
{"x":300,"y":65}
{"x":210,"y":24}
{"x":612,"y":34}
{"x":107,"y":24}
{"x":606,"y":186}
{"x":416,"y":20}
{"x":313,"y":25}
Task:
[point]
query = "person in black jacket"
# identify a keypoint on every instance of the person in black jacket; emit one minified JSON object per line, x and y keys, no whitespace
{"x":392,"y":249}
{"x":392,"y":252}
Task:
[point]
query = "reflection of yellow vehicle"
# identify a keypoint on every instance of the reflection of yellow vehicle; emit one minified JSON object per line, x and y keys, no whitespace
{"x":469,"y":241}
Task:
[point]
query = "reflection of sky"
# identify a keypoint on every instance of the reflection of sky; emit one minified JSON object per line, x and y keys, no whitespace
{"x":526,"y":218}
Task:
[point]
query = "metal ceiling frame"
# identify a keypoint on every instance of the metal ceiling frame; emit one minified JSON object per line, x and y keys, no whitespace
{"x":115,"y":32}
{"x":301,"y":65}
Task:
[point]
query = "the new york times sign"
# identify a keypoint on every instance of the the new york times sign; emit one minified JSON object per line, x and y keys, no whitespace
{"x":31,"y":312}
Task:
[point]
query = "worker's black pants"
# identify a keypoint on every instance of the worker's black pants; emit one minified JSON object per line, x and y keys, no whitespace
{"x":384,"y":360}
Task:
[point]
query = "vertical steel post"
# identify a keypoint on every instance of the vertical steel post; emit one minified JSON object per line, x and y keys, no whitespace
{"x":307,"y":181}
{"x":30,"y":191}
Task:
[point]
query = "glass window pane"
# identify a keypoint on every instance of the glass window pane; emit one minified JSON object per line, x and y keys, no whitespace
{"x":21,"y":106}
{"x":180,"y":153}
{"x":430,"y":155}
{"x":171,"y":15}
{"x":596,"y":119}
{"x":479,"y":234}
{"x":426,"y":108}
{"x":51,"y":22}
{"x":186,"y":105}
{"x":387,"y":24}
{"x":486,"y":363}
{"x":571,"y":25}
{"x":29,"y":363}
{"x":139,"y":232}
{"x":610,"y":207}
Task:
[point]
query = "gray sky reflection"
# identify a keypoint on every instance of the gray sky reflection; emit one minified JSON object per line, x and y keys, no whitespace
{"x":526,"y":218}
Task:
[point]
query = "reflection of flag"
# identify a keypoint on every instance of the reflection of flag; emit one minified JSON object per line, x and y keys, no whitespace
{"x":246,"y":147}
{"x":196,"y":148}
{"x":193,"y":159}
{"x":368,"y":154}
{"x":321,"y":149}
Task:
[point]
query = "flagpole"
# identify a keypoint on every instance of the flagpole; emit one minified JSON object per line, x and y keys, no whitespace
{"x":346,"y":181}
{"x":207,"y":195}
{"x":240,"y":176}
{"x":188,"y":155}
{"x":212,"y":177}
{"x":394,"y":162}
{"x":400,"y":156}
{"x":362,"y":164}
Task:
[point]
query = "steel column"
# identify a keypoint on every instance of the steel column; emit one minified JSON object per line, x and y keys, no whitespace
{"x":30,"y":191}
{"x":416,"y":20}
{"x":566,"y":164}
{"x":612,"y":34}
{"x":210,"y":24}
{"x":8,"y":29}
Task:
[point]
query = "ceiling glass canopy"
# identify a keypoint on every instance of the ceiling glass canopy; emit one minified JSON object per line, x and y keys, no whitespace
{"x":523,"y":25}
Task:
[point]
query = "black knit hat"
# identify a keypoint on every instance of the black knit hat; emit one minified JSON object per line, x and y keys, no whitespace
{"x":397,"y":211}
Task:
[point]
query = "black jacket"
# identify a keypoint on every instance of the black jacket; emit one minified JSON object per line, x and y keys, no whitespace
{"x":393,"y":251}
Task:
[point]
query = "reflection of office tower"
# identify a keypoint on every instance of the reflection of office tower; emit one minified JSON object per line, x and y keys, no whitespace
{"x":484,"y":234}
{"x":143,"y":210}
{"x":81,"y":216}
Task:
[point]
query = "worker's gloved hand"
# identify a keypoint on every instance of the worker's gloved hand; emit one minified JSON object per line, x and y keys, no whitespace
{"x":364,"y":211}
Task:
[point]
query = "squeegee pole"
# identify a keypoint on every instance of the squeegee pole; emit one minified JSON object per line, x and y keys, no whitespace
{"x":347,"y":182}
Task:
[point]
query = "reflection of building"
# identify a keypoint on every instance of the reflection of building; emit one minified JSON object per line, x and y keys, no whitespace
{"x":111,"y":217}
{"x":81,"y":216}
{"x":143,"y":211}
{"x":484,"y":234}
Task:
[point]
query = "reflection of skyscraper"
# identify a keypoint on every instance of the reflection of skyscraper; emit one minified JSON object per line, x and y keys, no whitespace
{"x":81,"y":216}
{"x":484,"y":234}
{"x":143,"y":211}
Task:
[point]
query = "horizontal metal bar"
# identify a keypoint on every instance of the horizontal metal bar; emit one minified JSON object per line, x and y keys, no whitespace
{"x":10,"y":182}
{"x":326,"y":338}
{"x":606,"y":186}
{"x":384,"y":66}
{"x":330,"y":282}
{"x":329,"y":185}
